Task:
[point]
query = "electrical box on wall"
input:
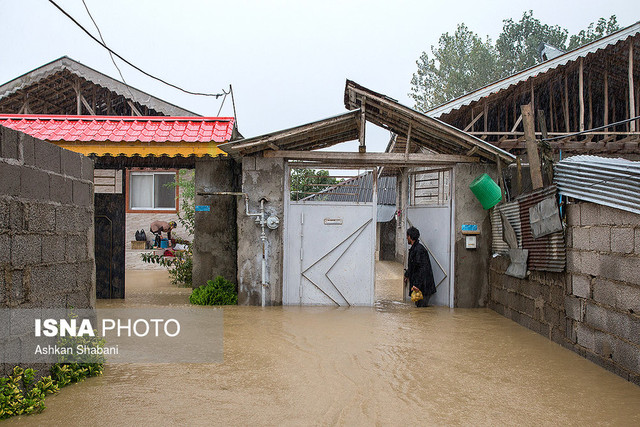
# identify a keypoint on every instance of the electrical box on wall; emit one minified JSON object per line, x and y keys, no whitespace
{"x":470,"y":242}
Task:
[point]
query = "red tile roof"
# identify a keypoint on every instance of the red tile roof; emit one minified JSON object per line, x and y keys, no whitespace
{"x":121,"y":129}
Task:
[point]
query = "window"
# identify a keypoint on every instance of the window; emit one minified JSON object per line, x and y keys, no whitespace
{"x":152,"y":191}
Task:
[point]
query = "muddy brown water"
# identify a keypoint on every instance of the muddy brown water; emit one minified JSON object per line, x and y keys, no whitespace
{"x":387,"y":365}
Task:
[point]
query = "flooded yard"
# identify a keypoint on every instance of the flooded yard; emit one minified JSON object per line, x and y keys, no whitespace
{"x":390,"y":365}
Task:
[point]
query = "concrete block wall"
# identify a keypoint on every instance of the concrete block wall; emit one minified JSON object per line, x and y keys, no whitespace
{"x":603,"y":287}
{"x":536,"y":302}
{"x":261,"y":177}
{"x":46,"y":226}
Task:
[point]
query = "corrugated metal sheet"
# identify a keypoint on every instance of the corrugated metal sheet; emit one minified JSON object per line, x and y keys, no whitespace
{"x":546,"y":253}
{"x":360,"y":189}
{"x":511,"y":211}
{"x":87,"y":73}
{"x":122,"y":129}
{"x":536,"y":70}
{"x":609,"y":182}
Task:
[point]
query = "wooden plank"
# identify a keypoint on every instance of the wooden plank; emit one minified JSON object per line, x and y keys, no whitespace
{"x":486,"y":114}
{"x":532,"y":146}
{"x":371,"y":158}
{"x":474,"y":121}
{"x":87,"y":106}
{"x":363,"y":126}
{"x":632,"y":102}
{"x":134,"y":110}
{"x":516,"y":124}
{"x":407,"y":145}
{"x":581,"y":93}
{"x":566,"y":103}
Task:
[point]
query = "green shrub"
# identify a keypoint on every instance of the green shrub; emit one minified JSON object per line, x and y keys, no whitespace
{"x":20,"y":394}
{"x":180,"y":267}
{"x":216,"y":292}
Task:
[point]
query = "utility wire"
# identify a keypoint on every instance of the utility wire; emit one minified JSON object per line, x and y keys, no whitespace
{"x":592,"y":130}
{"x":110,"y":54}
{"x":216,"y":95}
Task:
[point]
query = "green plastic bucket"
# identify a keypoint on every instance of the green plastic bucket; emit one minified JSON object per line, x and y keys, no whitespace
{"x":486,"y":191}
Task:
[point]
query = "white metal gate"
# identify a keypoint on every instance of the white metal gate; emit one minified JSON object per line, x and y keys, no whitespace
{"x":429,"y":210}
{"x":329,"y":253}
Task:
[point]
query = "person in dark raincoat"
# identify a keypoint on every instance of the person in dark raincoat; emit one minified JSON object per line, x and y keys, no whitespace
{"x":418,"y":272}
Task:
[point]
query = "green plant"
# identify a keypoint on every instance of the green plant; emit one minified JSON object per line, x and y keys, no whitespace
{"x":180,"y":266}
{"x":216,"y":292}
{"x":20,"y":394}
{"x":64,"y":374}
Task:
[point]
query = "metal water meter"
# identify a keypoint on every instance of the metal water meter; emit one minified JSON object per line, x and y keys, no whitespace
{"x":273,"y":222}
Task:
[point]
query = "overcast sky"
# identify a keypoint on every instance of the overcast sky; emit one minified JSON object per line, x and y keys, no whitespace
{"x":287,"y":60}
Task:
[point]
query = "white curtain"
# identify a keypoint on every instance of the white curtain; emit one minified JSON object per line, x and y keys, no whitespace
{"x":141,"y":191}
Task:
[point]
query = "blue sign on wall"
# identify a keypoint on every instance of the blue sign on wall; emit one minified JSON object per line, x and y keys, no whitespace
{"x":203,"y":208}
{"x":469,"y":227}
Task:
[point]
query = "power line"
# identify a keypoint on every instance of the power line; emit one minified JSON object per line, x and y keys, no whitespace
{"x":110,"y":54}
{"x":216,"y":95}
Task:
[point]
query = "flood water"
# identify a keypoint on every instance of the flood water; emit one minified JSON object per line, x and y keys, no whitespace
{"x":391,"y":364}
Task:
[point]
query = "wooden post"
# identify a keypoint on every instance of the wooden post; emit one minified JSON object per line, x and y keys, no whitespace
{"x":500,"y":178}
{"x":532,"y":146}
{"x":407,"y":147}
{"x":581,"y":94}
{"x":549,"y":87}
{"x":532,"y":95}
{"x":363,"y":127}
{"x":566,"y":103}
{"x":76,"y":87}
{"x":590,"y":102}
{"x":632,"y":102}
{"x":486,"y":114}
{"x":606,"y":98}
{"x":519,"y":176}
{"x":542,"y":124}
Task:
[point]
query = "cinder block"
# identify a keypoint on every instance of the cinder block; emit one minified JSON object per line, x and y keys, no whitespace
{"x":34,"y":184}
{"x":627,"y":355}
{"x":589,"y":214}
{"x":9,"y":143}
{"x":61,"y":189}
{"x":615,"y":216}
{"x":570,"y":330}
{"x":622,"y":240}
{"x":71,"y":164}
{"x":4,"y":214}
{"x":76,"y":248}
{"x":27,"y":142}
{"x":15,"y":294}
{"x":42,"y":292}
{"x":637,"y":240}
{"x":41,"y":217}
{"x":573,"y":308}
{"x":596,"y":317}
{"x":585,"y":336}
{"x":67,"y":219}
{"x":573,"y":214}
{"x":5,"y":249}
{"x":53,"y":248}
{"x":248,"y":163}
{"x":574,"y":260}
{"x":47,"y":156}
{"x":600,"y":239}
{"x":604,"y":292}
{"x":82,"y":193}
{"x":9,"y":179}
{"x":16,"y":215}
{"x":78,"y":300}
{"x":581,"y":286}
{"x":628,"y":298}
{"x":26,"y":249}
{"x":87,"y":168}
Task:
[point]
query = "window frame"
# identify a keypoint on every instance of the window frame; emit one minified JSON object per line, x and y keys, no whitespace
{"x":150,"y":171}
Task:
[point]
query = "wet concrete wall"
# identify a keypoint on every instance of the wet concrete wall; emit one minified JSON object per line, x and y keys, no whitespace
{"x":593,"y":308}
{"x":46,"y":227}
{"x":261,"y":178}
{"x":471,"y":288}
{"x":215,"y":240}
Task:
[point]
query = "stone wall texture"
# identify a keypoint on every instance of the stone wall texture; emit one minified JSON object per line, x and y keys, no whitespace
{"x":593,"y":308}
{"x":46,"y":225}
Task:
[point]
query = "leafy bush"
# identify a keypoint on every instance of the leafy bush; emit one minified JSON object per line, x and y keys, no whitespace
{"x":180,"y":266}
{"x":216,"y":292}
{"x":20,"y":394}
{"x":68,"y":373}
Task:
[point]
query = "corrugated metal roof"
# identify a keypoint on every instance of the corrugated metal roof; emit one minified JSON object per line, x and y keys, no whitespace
{"x":534,"y":71}
{"x":122,"y":129}
{"x":602,"y":180}
{"x":547,"y":253}
{"x":360,"y":189}
{"x":87,"y":73}
{"x":511,"y":211}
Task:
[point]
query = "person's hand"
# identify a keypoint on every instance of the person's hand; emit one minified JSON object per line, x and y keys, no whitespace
{"x":413,"y":288}
{"x":405,"y":280}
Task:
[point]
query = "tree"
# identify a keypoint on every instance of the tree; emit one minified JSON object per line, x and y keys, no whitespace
{"x":594,"y":31}
{"x":305,"y":182}
{"x":518,"y":43}
{"x":461,"y":63}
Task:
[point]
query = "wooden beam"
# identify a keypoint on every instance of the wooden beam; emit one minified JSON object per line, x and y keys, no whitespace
{"x":519,"y":176}
{"x":566,"y":103}
{"x":532,"y":146}
{"x":472,"y":151}
{"x":363,"y":126}
{"x":606,"y":97}
{"x":632,"y":102}
{"x":516,"y":124}
{"x":474,"y":121}
{"x":500,"y":178}
{"x":87,"y":106}
{"x":407,"y":145}
{"x":76,"y":87}
{"x":371,"y":158}
{"x":134,"y":110}
{"x":486,"y":115}
{"x":590,"y":101}
{"x":581,"y":93}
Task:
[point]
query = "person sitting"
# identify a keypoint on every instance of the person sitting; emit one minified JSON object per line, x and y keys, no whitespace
{"x":157,"y":227}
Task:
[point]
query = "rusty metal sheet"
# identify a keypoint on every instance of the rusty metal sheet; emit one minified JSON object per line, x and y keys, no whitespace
{"x":511,"y":211}
{"x":547,"y":253}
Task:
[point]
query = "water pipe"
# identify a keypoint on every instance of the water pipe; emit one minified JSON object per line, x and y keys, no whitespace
{"x":260,"y":219}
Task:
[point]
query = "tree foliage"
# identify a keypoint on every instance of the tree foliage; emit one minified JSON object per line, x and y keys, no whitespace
{"x":463,"y":62}
{"x":305,"y":182}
